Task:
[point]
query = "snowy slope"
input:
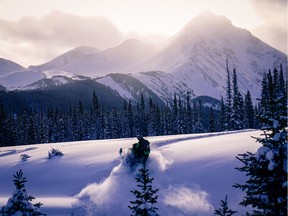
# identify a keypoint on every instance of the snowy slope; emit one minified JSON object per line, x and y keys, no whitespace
{"x":197,"y":56}
{"x":164,"y":85}
{"x":193,"y":172}
{"x":114,"y":60}
{"x":130,"y":88}
{"x":66,"y":58}
{"x":20,"y":79}
{"x":7,"y":66}
{"x":45,"y":83}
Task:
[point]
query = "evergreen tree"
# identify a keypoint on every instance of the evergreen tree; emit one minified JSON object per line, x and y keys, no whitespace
{"x":224,"y":210}
{"x":2,"y":123}
{"x":188,"y":115}
{"x":175,"y":114}
{"x":211,"y":120}
{"x":114,"y":124}
{"x":167,"y":121}
{"x":20,"y":202}
{"x":145,"y":197}
{"x":151,"y":124}
{"x":222,"y":116}
{"x":199,"y":127}
{"x":266,"y":187}
{"x":126,"y":131}
{"x":228,"y":104}
{"x":142,"y":103}
{"x":179,"y":128}
{"x":237,"y":106}
{"x":249,"y":115}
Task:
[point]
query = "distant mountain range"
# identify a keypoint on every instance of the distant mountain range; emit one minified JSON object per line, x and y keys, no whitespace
{"x":193,"y":60}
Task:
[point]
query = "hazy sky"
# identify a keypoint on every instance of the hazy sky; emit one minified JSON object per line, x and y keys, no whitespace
{"x":34,"y":31}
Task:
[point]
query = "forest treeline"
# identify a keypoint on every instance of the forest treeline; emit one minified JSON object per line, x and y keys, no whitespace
{"x":146,"y":117}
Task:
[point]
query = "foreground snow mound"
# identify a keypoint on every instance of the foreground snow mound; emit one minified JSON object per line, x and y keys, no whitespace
{"x":112,"y":196}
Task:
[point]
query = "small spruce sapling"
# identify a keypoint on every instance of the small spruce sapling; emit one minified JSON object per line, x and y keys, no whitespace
{"x":224,"y":210}
{"x":20,"y":202}
{"x":145,"y":197}
{"x":54,"y":152}
{"x":24,"y":157}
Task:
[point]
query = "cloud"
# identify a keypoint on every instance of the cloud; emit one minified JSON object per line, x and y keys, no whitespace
{"x":274,"y":28}
{"x":53,"y":34}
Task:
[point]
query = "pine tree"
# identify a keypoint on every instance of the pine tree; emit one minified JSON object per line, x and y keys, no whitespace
{"x":237,"y":113}
{"x":211,"y":120}
{"x":228,"y":103}
{"x":145,"y":197}
{"x":2,"y":123}
{"x":266,"y":187}
{"x":114,"y":124}
{"x":249,"y":115}
{"x":224,"y":210}
{"x":222,"y":116}
{"x":198,"y":126}
{"x":20,"y":202}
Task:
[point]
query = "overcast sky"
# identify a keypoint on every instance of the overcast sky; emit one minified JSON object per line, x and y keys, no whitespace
{"x":34,"y":31}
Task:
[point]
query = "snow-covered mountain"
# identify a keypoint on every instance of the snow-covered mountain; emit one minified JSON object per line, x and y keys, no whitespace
{"x":48,"y":83}
{"x":66,"y":58}
{"x":129,"y":87}
{"x":194,"y":60}
{"x":165,"y":85}
{"x":7,"y":66}
{"x":20,"y":79}
{"x":193,"y":173}
{"x":92,"y":62}
{"x":113,"y":60}
{"x":154,"y":84}
{"x":197,"y":56}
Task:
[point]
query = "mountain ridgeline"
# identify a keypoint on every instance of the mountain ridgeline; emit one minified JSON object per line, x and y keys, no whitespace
{"x":186,"y":77}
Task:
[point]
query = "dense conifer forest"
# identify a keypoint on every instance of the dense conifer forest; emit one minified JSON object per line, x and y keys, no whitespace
{"x":147,"y":117}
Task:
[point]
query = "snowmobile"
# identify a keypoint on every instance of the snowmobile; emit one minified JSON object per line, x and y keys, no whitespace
{"x":136,"y":155}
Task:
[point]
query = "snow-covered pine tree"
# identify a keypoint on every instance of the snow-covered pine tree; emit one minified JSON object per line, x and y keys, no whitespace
{"x":145,"y":197}
{"x":237,"y":114}
{"x":228,"y":102}
{"x":266,"y":187}
{"x":224,"y":209}
{"x":20,"y":202}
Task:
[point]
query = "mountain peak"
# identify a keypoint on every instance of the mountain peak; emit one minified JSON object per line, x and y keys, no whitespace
{"x":207,"y":20}
{"x":208,"y":16}
{"x":7,"y":66}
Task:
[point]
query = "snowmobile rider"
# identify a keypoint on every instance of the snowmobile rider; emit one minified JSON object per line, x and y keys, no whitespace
{"x":142,"y":148}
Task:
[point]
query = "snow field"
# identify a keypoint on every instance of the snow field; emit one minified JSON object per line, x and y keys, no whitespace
{"x":192,"y":172}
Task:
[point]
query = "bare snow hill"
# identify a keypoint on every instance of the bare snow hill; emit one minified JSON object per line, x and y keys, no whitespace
{"x":66,"y":58}
{"x":7,"y":66}
{"x":192,"y":172}
{"x":19,"y":79}
{"x":114,"y":60}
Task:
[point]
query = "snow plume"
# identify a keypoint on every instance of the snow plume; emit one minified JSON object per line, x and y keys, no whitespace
{"x":187,"y":201}
{"x":158,"y":162}
{"x":113,"y":195}
{"x":109,"y":197}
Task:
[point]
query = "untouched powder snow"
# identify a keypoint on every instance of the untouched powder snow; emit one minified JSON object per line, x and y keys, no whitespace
{"x":192,"y":172}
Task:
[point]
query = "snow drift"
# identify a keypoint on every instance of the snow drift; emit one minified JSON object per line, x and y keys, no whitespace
{"x":192,"y":172}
